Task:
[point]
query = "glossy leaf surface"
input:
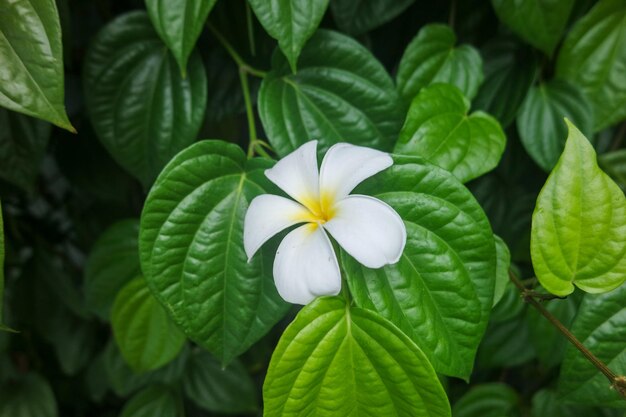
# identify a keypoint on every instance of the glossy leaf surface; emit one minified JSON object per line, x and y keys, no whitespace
{"x":449,"y":260}
{"x":439,"y":128}
{"x":335,"y":360}
{"x":579,"y":210}
{"x":341,"y":93}
{"x":358,"y":16}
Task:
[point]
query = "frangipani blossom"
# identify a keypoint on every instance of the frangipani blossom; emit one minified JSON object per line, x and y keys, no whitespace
{"x":368,"y":229}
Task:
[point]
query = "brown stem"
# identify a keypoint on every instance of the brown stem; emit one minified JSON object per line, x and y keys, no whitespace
{"x":618,"y":382}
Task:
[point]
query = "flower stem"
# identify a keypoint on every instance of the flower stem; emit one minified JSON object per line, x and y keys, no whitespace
{"x":618,"y":382}
{"x":234,"y":55}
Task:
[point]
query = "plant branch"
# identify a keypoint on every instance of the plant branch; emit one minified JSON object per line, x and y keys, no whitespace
{"x":249,"y":112}
{"x":235,"y":55}
{"x":618,"y":382}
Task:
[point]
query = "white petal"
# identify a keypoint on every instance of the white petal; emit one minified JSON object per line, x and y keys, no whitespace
{"x":306,"y":266}
{"x":345,"y":166}
{"x":297,"y":175}
{"x":268,"y":215}
{"x":368,"y":229}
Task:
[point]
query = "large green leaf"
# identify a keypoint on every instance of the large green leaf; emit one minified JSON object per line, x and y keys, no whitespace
{"x":432,"y":57}
{"x":337,"y":360}
{"x":28,"y":396}
{"x":146,"y":336}
{"x":141,"y":108}
{"x":488,"y":400}
{"x":290,"y":22}
{"x":593,"y":58}
{"x":449,"y":260}
{"x":538,"y":22}
{"x":217,"y":389}
{"x":359,"y":16}
{"x":191,"y":247}
{"x":341,"y":93}
{"x":601,"y":326}
{"x":509,"y":73}
{"x":31,"y":75}
{"x":179,"y":23}
{"x":23,"y":142}
{"x":112,"y":262}
{"x":578,"y":232}
{"x":540,"y":120}
{"x":154,"y":401}
{"x":439,"y":128}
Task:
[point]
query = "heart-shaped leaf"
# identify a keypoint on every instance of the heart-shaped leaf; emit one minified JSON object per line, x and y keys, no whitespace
{"x":449,"y":260}
{"x":113,"y":261}
{"x":579,"y":210}
{"x":488,"y":400}
{"x":341,"y":93}
{"x":141,"y":107}
{"x":336,"y":360}
{"x":179,"y":23}
{"x":540,"y":120}
{"x":29,"y":396}
{"x":31,"y":75}
{"x":601,"y":326}
{"x":359,"y":16}
{"x":432,"y":57}
{"x":191,"y":248}
{"x":154,"y":401}
{"x":540,"y":23}
{"x":509,"y":73}
{"x":593,"y":58}
{"x":290,"y":22}
{"x":146,"y":336}
{"x":439,"y":129}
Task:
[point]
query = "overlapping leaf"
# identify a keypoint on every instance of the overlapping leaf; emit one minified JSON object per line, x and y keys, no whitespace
{"x":359,"y":16}
{"x":335,"y":360}
{"x":540,"y":120}
{"x":191,"y":247}
{"x":154,"y":401}
{"x":503,"y":262}
{"x":601,"y":326}
{"x":31,"y":76}
{"x":141,"y":107}
{"x":539,"y":23}
{"x":290,"y":22}
{"x":488,"y":400}
{"x":579,"y":210}
{"x":449,"y":261}
{"x":432,"y":57}
{"x":439,"y":129}
{"x":341,"y":93}
{"x":179,"y":23}
{"x":29,"y":396}
{"x":593,"y":58}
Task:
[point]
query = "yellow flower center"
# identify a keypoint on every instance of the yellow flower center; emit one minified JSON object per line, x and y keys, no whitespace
{"x":319,"y":212}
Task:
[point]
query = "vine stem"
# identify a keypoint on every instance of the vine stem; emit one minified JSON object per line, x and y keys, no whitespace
{"x":618,"y":382}
{"x":243,"y":65}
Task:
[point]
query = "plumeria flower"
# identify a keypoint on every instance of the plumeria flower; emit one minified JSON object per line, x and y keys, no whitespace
{"x":368,"y":229}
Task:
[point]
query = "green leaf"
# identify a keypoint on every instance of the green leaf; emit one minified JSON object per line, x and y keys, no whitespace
{"x":23,"y":142}
{"x":540,"y":120}
{"x":538,"y":22}
{"x":32,"y":61}
{"x":614,"y":164}
{"x":290,"y":22}
{"x":141,"y":108}
{"x":488,"y":400}
{"x":179,"y":23}
{"x":156,"y":401}
{"x":593,"y":58}
{"x":579,"y":210}
{"x":601,"y":326}
{"x":144,"y":333}
{"x":217,"y":389}
{"x":509,"y":73}
{"x":503,"y":263}
{"x":341,"y":93}
{"x":2,"y":326}
{"x":449,"y":260}
{"x":439,"y":128}
{"x":191,"y":247}
{"x":432,"y":57}
{"x":96,"y":383}
{"x":112,"y":262}
{"x":546,"y":403}
{"x":28,"y":396}
{"x":359,"y":16}
{"x":336,"y":360}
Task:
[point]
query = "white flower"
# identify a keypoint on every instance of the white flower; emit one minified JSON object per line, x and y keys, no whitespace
{"x":368,"y":229}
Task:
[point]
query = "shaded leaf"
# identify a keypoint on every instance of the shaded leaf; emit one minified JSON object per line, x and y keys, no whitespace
{"x":503,"y":263}
{"x":488,"y":400}
{"x":359,"y":16}
{"x":155,"y":401}
{"x":28,"y":396}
